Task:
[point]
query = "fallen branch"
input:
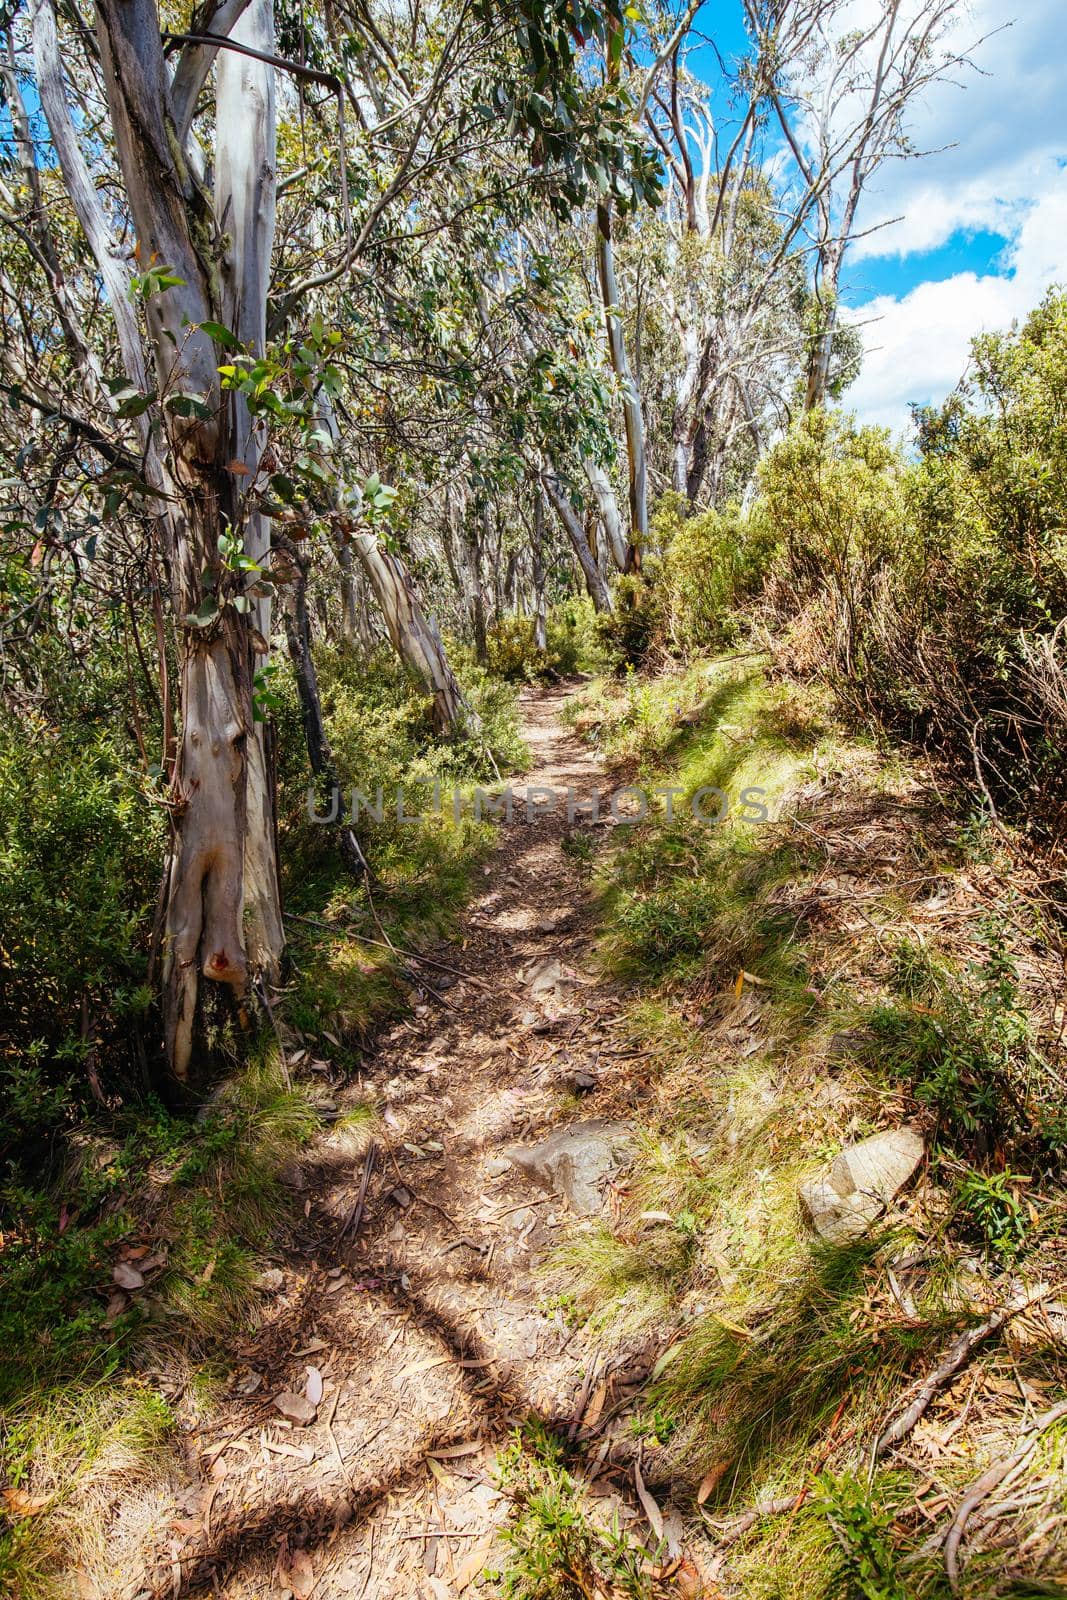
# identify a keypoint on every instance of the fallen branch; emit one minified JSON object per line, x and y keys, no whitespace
{"x":1000,"y":1473}
{"x":958,"y":1357}
{"x":355,"y":1216}
{"x":746,"y":1520}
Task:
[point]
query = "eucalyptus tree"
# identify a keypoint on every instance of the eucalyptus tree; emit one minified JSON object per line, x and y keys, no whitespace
{"x":842,"y":102}
{"x":204,"y":233}
{"x":763,"y":179}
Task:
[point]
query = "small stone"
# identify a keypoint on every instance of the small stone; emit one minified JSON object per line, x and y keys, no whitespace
{"x":846,"y":1203}
{"x":584,"y":1082}
{"x":271,"y":1280}
{"x":297,"y":1407}
{"x":575,"y":1162}
{"x":496,"y":1166}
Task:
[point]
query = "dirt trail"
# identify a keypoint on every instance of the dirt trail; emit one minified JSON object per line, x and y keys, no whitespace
{"x":428,"y":1321}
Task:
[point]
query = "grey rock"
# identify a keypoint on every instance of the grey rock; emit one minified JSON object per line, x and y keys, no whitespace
{"x":845,"y":1204}
{"x":575,"y":1161}
{"x":547,"y":980}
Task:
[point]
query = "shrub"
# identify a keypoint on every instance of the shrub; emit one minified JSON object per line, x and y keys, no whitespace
{"x":712,"y":563}
{"x":80,"y":857}
{"x":931,"y":593}
{"x":627,"y":633}
{"x":512,"y":651}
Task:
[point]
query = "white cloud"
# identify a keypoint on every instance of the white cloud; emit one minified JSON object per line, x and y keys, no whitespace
{"x":917,"y":346}
{"x":1004,"y":173}
{"x":996,"y":134}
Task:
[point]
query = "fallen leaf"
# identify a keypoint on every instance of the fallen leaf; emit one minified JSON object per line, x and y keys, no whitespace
{"x":422,"y":1366}
{"x":651,"y":1509}
{"x":474,"y":1564}
{"x":295,"y":1406}
{"x":278,"y":1447}
{"x":301,"y":1574}
{"x":690,"y":1584}
{"x":21,"y":1504}
{"x":449,"y":1452}
{"x":127,"y":1277}
{"x":115,"y":1307}
{"x":313,"y":1389}
{"x":711,"y":1480}
{"x":595,"y":1406}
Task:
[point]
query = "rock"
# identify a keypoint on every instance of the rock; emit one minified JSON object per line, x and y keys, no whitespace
{"x":847,"y":1044}
{"x":860,"y":1184}
{"x":297,"y":1407}
{"x":496,"y":1166}
{"x":575,"y":1161}
{"x":583,"y":1082}
{"x":547,"y":980}
{"x":270,"y":1281}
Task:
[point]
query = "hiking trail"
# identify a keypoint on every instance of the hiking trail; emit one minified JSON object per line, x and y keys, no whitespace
{"x":408,"y":1322}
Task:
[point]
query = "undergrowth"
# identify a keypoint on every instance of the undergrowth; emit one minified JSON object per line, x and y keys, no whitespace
{"x":797,"y":987}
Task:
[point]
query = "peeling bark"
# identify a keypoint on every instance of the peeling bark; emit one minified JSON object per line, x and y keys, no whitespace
{"x":608,"y":506}
{"x":414,"y":636}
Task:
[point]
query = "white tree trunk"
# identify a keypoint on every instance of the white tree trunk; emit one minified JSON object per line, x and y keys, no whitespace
{"x":414,"y":636}
{"x":608,"y":508}
{"x":221,"y":788}
{"x":245,"y":196}
{"x":633,"y":416}
{"x":594,"y":578}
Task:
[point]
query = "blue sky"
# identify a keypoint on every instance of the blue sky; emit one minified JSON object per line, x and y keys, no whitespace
{"x":984,"y":229}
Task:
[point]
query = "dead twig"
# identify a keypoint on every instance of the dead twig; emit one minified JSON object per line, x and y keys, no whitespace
{"x":1000,"y":1475}
{"x":355,"y":1216}
{"x":958,"y":1357}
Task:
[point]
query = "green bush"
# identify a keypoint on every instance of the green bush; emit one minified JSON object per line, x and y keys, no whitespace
{"x":712,"y":564}
{"x":628,"y":633}
{"x":931,"y":593}
{"x":80,"y":858}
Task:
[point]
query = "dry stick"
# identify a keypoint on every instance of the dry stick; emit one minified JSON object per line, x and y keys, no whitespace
{"x":583,"y":1398}
{"x":957,"y":1358}
{"x":355,"y":1216}
{"x":398,"y":950}
{"x":1001,"y":1472}
{"x":333,"y":1437}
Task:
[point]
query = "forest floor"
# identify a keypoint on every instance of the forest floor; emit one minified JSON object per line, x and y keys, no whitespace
{"x":410,"y":1307}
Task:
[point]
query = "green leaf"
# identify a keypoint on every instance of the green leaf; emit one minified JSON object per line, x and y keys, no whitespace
{"x":221,"y":335}
{"x":135,"y":404}
{"x":189,"y":405}
{"x":205,"y":613}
